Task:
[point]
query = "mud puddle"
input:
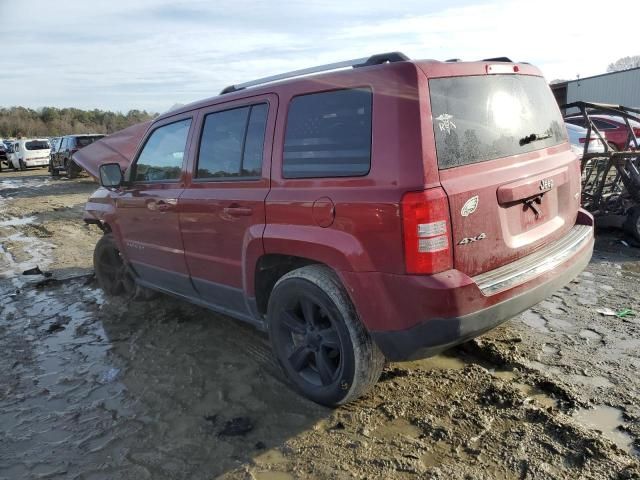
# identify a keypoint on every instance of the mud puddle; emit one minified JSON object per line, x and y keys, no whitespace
{"x":609,"y":421}
{"x":14,"y":222}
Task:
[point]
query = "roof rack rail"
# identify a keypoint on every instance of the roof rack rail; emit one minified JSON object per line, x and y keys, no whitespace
{"x":498,"y":59}
{"x":454,"y":60}
{"x":377,"y":59}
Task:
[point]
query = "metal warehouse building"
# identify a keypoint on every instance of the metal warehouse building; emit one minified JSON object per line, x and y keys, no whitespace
{"x":620,"y":88}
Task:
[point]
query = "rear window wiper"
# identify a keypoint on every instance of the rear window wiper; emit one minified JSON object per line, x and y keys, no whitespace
{"x":534,"y":137}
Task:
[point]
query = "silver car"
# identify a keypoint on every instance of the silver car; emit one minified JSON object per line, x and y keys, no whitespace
{"x":578,"y":137}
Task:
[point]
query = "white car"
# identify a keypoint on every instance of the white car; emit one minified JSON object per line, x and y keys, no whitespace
{"x":578,"y":137}
{"x":32,"y":152}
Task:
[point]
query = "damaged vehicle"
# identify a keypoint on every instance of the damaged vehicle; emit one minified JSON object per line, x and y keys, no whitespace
{"x":380,"y":209}
{"x":61,"y":159}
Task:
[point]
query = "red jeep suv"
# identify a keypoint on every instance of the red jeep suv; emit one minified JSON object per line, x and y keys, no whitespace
{"x":385,"y":209}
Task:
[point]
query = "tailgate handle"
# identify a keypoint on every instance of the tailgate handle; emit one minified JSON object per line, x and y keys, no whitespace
{"x":531,"y":187}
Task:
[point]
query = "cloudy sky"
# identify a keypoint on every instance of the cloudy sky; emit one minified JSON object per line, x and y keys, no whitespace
{"x":152,"y":54}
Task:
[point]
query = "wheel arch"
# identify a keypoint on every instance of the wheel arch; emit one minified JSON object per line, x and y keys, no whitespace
{"x":285,"y":248}
{"x":269,"y":269}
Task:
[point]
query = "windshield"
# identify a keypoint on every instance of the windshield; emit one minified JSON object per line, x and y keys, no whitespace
{"x":37,"y":145}
{"x":84,"y":141}
{"x":485,"y":117}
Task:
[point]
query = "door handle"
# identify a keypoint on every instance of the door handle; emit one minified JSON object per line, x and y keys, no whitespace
{"x":162,"y":205}
{"x":238,"y":211}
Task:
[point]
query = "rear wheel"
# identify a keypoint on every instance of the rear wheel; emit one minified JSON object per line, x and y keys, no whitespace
{"x":72,"y":169}
{"x":318,"y":339}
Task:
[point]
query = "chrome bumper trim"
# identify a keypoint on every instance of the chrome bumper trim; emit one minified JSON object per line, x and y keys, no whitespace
{"x":535,"y":264}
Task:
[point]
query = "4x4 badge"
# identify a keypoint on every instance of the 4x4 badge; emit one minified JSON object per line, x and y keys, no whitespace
{"x":468,"y":240}
{"x":470,"y":206}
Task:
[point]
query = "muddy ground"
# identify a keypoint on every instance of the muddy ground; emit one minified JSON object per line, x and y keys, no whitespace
{"x":98,"y":389}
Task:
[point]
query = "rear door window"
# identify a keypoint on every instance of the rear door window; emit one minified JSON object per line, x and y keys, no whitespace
{"x":232,"y":143}
{"x":163,"y":153}
{"x":480,"y":118}
{"x":328,"y":135}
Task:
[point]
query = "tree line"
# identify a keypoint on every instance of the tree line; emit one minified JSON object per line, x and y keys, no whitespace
{"x":53,"y":122}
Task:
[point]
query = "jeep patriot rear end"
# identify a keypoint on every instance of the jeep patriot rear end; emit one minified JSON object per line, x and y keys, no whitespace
{"x":385,"y":211}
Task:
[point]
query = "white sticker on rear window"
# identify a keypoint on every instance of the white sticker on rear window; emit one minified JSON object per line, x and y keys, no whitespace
{"x":445,"y":122}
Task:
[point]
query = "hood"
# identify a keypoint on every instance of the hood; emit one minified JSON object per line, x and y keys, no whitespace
{"x":119,"y":147}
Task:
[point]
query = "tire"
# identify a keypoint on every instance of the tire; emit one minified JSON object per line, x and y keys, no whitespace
{"x":23,"y":166}
{"x":53,"y":171}
{"x":632,"y":223}
{"x":114,"y":274}
{"x":318,"y":339}
{"x":72,"y":169}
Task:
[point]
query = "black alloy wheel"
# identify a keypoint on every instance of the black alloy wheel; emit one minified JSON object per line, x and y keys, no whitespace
{"x":311,"y":340}
{"x":318,"y":339}
{"x":112,"y":272}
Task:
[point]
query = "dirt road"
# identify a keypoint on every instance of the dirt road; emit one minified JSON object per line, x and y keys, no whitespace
{"x":97,"y":389}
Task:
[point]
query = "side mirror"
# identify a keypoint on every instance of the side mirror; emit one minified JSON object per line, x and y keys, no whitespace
{"x":111,"y":175}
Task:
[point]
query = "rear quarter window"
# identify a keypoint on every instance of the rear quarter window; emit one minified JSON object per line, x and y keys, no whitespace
{"x":84,"y":141}
{"x":328,"y":135}
{"x":37,"y":145}
{"x":484,"y":117}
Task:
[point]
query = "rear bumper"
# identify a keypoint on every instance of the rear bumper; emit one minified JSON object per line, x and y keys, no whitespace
{"x":413,"y":317}
{"x":36,"y":162}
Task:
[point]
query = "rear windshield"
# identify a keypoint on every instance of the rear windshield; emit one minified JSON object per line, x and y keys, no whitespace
{"x":37,"y":145}
{"x":84,"y":141}
{"x":485,"y":117}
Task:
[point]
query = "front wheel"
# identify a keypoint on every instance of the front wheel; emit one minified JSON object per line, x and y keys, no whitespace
{"x":318,"y":339}
{"x":112,"y":272}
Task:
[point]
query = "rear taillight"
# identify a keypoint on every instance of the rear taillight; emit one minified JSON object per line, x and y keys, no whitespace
{"x":426,"y":230}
